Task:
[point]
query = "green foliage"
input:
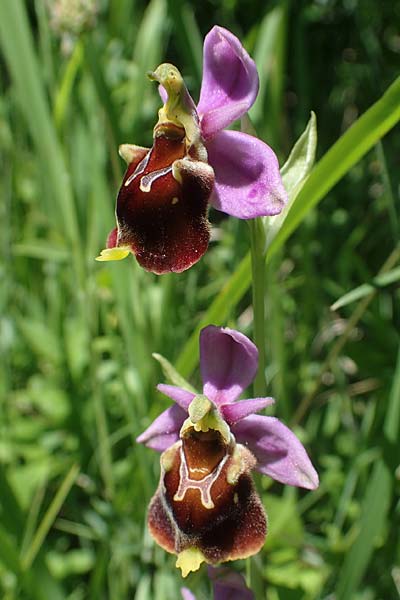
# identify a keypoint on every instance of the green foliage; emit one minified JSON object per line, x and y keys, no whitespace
{"x":77,"y":378}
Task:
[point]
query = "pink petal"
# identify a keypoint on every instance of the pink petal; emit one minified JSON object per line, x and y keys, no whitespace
{"x":163,"y":441}
{"x":236,"y":411}
{"x":230,"y":81}
{"x":187,"y":594}
{"x":164,"y":430}
{"x":248,"y":183}
{"x":228,"y":585}
{"x":177,"y":394}
{"x":228,"y":363}
{"x":279,"y":453}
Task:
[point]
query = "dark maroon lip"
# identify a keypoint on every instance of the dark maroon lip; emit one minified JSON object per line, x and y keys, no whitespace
{"x":163,"y":220}
{"x":196,"y":505}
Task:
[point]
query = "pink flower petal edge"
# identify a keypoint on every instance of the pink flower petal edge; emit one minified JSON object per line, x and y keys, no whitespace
{"x":187,"y":594}
{"x":228,"y":363}
{"x":278,"y":451}
{"x":182,"y":397}
{"x":230,"y":81}
{"x":164,"y":430}
{"x":236,"y":411}
{"x":248,"y":183}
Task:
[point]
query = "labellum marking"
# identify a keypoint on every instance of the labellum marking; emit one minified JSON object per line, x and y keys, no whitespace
{"x":147,"y":181}
{"x":139,"y":169}
{"x":203,"y":485}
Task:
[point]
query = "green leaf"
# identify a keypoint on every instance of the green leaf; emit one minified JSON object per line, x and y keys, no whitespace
{"x":147,"y":54}
{"x":295,"y":172}
{"x":374,"y":510}
{"x":188,"y":35}
{"x":21,"y":59}
{"x":339,"y":159}
{"x":49,"y":517}
{"x":366,"y":288}
{"x":172,"y":374}
{"x":41,"y":250}
{"x":63,"y":95}
{"x":301,"y":159}
{"x":73,"y":562}
{"x":270,"y":56}
{"x":375,"y":506}
{"x":42,"y":340}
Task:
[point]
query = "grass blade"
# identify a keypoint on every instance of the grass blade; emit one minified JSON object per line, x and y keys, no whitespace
{"x":376,"y":503}
{"x":16,"y":40}
{"x":172,"y":374}
{"x":366,"y":288}
{"x":342,"y":156}
{"x":49,"y":518}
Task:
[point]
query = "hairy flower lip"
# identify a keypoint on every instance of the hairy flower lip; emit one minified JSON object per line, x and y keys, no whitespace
{"x":206,"y":500}
{"x":162,"y":204}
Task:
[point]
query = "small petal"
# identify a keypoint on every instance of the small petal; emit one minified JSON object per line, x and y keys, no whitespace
{"x":236,"y":411}
{"x":177,"y":394}
{"x":187,"y":594}
{"x":230,"y":81}
{"x":132,"y":153}
{"x":247,"y":178}
{"x":109,"y":254}
{"x":189,"y":560}
{"x":228,"y":363}
{"x":164,"y":431}
{"x":278,"y":451}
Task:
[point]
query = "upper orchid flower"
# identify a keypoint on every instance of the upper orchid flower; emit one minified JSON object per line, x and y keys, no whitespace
{"x":162,"y":205}
{"x":206,"y":508}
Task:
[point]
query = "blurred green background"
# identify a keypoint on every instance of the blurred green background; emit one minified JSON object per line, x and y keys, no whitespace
{"x":77,"y":380}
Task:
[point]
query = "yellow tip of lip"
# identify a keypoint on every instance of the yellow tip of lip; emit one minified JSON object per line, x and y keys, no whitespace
{"x":113,"y":254}
{"x":189,"y":560}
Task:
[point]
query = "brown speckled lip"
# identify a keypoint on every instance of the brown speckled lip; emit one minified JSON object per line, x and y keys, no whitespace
{"x":235,"y":527}
{"x":167,"y":226}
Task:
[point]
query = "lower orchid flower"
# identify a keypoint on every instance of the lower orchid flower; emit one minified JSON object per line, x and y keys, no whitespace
{"x":162,"y":206}
{"x":206,"y":508}
{"x":227,"y":585}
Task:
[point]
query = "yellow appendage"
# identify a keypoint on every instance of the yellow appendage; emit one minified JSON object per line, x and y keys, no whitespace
{"x":189,"y":560}
{"x":113,"y":253}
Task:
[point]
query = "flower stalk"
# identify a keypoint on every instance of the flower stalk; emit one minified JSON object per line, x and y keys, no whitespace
{"x":257,"y":246}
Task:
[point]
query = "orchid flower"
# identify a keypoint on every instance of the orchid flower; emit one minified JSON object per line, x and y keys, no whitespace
{"x":163,"y":202}
{"x":206,"y":508}
{"x":227,"y":585}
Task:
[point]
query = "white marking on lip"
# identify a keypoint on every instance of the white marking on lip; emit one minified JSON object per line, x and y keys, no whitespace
{"x":147,"y":180}
{"x":203,"y":485}
{"x":139,"y":168}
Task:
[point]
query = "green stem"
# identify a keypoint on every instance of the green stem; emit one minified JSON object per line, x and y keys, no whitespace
{"x":254,"y":579}
{"x":257,"y":244}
